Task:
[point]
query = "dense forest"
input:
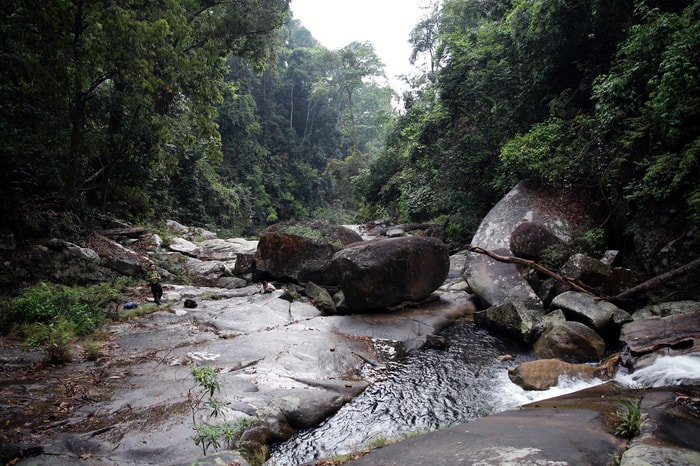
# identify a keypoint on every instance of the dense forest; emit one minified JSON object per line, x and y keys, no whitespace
{"x":230,"y":115}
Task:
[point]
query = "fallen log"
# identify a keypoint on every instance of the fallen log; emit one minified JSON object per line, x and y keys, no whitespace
{"x":133,"y":232}
{"x":533,"y":265}
{"x":653,"y":283}
{"x":620,"y":299}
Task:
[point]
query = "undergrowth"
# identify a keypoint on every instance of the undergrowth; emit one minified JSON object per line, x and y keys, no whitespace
{"x":53,"y":317}
{"x":212,"y":429}
{"x":626,"y":422}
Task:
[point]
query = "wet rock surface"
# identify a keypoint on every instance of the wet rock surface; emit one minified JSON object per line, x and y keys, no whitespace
{"x":570,"y":429}
{"x":281,"y":363}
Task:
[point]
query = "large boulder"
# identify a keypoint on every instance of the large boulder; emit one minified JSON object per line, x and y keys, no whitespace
{"x":117,"y":257}
{"x":63,"y":262}
{"x":646,"y":339}
{"x":570,"y":341}
{"x":542,"y":374}
{"x":225,"y":249}
{"x":531,"y":240}
{"x":383,"y":273}
{"x":498,"y":283}
{"x":192,"y":234}
{"x":514,"y":320}
{"x":183,"y":246}
{"x":603,"y":317}
{"x":561,"y":213}
{"x":284,"y":248}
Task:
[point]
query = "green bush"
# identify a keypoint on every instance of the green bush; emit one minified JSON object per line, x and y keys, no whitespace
{"x":54,"y":316}
{"x":627,"y":421}
{"x":45,"y":303}
{"x":55,"y":338}
{"x":215,"y":435}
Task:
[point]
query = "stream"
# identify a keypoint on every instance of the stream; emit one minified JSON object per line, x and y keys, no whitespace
{"x":426,"y":390}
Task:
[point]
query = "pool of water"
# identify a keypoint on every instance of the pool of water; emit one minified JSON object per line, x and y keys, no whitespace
{"x":426,"y":390}
{"x":430,"y":389}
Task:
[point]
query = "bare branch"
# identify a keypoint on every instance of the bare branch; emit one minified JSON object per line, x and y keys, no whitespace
{"x":533,"y":265}
{"x":652,"y":283}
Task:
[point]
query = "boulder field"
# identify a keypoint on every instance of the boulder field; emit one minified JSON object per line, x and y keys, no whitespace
{"x":287,"y":360}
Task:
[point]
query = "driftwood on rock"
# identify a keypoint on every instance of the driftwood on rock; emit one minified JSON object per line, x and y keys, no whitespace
{"x":619,"y":299}
{"x":652,"y":283}
{"x":533,"y":265}
{"x":135,"y":232}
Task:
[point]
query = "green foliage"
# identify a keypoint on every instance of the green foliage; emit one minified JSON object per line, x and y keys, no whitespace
{"x":594,"y":96}
{"x":647,"y":107}
{"x":216,"y":435}
{"x":94,"y":117}
{"x":207,"y":378}
{"x":228,"y":435}
{"x":555,"y":151}
{"x":45,"y":303}
{"x":627,"y":421}
{"x":55,"y":338}
{"x":53,"y":316}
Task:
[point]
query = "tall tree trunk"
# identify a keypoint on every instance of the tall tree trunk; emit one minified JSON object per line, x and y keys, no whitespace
{"x":72,"y":166}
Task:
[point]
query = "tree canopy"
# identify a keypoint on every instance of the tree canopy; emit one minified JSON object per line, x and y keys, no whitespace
{"x":588,"y":95}
{"x":217,"y":113}
{"x":234,"y":116}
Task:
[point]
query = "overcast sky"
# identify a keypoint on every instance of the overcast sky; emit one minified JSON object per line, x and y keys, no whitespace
{"x":385,"y":23}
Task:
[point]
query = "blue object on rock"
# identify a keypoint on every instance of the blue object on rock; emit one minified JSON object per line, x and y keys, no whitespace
{"x":130,"y":305}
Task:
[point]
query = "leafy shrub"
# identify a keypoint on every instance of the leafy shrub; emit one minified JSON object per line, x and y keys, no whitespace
{"x":226,"y":434}
{"x":44,"y":303}
{"x":627,"y":421}
{"x":55,"y":338}
{"x":53,"y":316}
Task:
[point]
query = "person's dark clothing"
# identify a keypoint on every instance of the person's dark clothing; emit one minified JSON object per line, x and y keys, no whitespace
{"x":153,"y":278}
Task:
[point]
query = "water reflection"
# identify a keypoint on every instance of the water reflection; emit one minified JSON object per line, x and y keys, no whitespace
{"x":430,"y":389}
{"x":427,"y":390}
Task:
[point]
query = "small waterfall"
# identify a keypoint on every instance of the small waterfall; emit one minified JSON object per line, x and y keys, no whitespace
{"x":664,"y":371}
{"x":432,"y":389}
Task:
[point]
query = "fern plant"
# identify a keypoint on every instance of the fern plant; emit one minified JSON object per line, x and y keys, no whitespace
{"x":215,"y":435}
{"x":627,"y":421}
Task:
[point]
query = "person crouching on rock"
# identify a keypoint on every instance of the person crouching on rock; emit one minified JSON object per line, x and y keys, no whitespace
{"x":153,"y":278}
{"x":268,"y":287}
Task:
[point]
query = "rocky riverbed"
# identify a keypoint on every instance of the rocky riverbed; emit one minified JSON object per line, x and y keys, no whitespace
{"x":282,"y":364}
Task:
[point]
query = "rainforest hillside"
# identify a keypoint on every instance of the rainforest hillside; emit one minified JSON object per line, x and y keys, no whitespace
{"x":235,"y":117}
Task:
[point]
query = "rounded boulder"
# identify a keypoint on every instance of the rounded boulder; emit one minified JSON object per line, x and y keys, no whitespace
{"x":380,"y":274}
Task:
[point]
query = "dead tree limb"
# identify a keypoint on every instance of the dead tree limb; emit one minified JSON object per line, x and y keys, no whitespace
{"x":533,"y":265}
{"x":133,"y":232}
{"x":631,"y":293}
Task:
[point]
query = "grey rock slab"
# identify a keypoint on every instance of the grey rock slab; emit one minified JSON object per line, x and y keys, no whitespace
{"x":280,"y":362}
{"x":670,"y":431}
{"x":550,"y":436}
{"x":410,"y":326}
{"x":567,"y":430}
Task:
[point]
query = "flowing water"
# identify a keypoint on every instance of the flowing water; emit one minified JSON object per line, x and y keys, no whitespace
{"x":665,"y":371}
{"x":424,"y":391}
{"x":431,"y":389}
